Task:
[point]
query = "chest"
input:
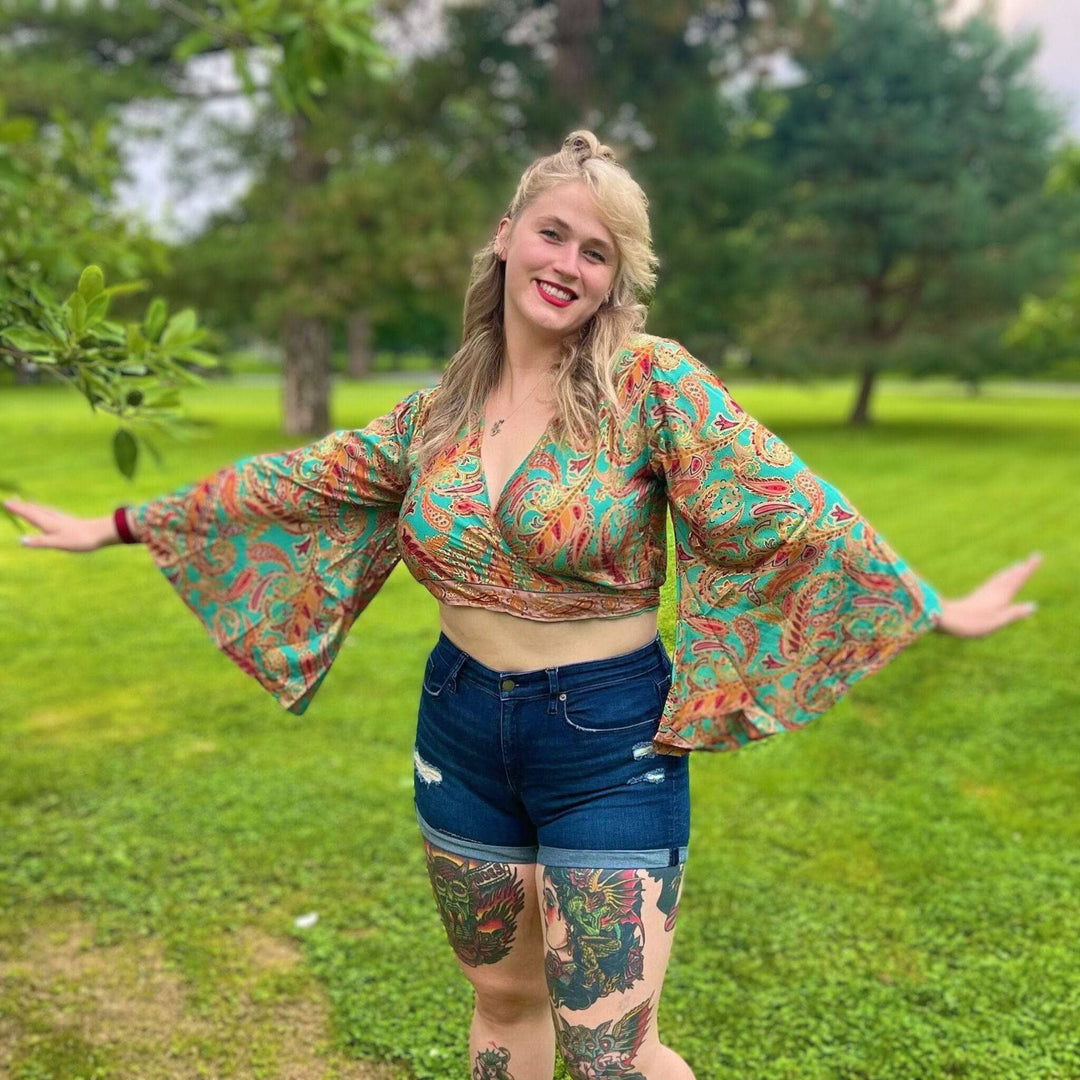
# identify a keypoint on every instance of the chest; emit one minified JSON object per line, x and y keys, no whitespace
{"x":526,"y":496}
{"x":506,"y":444}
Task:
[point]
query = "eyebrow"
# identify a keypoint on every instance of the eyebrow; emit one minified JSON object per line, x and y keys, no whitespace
{"x":595,"y":241}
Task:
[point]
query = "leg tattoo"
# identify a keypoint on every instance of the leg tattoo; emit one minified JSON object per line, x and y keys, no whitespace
{"x":605,"y":1052}
{"x":479,"y":903}
{"x":603,"y":939}
{"x":670,"y":879}
{"x":492,"y":1064}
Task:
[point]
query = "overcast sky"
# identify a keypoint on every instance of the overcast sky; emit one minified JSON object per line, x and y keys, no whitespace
{"x":1057,"y":65}
{"x":180,"y":208}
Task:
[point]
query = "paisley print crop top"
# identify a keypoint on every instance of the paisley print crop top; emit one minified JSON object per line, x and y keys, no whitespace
{"x":786,"y":595}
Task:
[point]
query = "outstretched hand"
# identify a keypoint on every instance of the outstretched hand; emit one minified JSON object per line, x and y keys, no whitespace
{"x":62,"y":531}
{"x":990,"y":606}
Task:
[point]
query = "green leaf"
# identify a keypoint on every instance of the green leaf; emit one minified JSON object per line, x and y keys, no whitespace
{"x":196,"y":42}
{"x":28,"y":339}
{"x":181,"y":329}
{"x":197,"y":356}
{"x":344,"y":39}
{"x":75,"y":310}
{"x":125,"y":452}
{"x":133,"y":338}
{"x":154,"y":322}
{"x":97,"y":309}
{"x":91,"y":282}
{"x":127,"y":287}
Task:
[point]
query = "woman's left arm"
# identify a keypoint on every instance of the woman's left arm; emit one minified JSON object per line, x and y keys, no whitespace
{"x":991,"y":605}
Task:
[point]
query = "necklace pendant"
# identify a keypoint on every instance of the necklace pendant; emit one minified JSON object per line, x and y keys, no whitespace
{"x":495,"y":427}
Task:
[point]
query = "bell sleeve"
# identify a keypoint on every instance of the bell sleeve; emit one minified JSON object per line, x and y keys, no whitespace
{"x":278,"y":554}
{"x":786,"y":595}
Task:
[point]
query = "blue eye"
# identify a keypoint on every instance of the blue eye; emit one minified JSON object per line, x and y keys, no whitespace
{"x":549,"y":232}
{"x":597,"y":255}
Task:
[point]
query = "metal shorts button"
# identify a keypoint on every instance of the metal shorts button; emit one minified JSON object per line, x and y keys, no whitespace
{"x":508,"y":684}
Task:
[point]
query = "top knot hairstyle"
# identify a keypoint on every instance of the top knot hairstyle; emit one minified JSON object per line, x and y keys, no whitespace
{"x":586,"y":366}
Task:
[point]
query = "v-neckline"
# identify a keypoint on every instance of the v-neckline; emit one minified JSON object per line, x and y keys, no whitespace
{"x":482,"y":434}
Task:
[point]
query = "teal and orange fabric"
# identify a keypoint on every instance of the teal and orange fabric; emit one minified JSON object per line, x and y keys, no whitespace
{"x":786,"y":594}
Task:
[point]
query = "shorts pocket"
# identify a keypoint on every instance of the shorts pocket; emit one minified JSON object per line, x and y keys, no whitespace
{"x":625,"y":706}
{"x":438,"y":673}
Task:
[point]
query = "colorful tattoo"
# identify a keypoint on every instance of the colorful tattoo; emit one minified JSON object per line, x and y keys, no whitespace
{"x":594,"y":933}
{"x":670,"y":878}
{"x":604,"y":1052}
{"x":492,"y":1064}
{"x":479,"y":903}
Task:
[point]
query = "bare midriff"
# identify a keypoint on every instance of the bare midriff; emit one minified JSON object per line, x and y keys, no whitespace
{"x":509,"y":643}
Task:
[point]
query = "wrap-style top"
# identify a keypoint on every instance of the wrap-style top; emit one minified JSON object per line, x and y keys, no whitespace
{"x":786,"y":596}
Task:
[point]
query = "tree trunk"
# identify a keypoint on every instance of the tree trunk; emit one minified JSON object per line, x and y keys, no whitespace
{"x":306,"y":391}
{"x":358,"y":335}
{"x":307,"y":376}
{"x":577,"y":22}
{"x":860,"y":415}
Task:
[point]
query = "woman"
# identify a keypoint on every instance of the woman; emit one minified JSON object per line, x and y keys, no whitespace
{"x":528,"y":492}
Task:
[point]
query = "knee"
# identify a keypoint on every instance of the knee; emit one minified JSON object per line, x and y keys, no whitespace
{"x":502,"y":1001}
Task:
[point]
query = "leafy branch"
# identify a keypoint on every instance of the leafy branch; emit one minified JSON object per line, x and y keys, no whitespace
{"x":132,"y":372}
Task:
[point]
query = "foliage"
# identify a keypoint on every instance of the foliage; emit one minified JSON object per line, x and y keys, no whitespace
{"x":131,"y":372}
{"x":53,"y":185}
{"x":912,"y":159}
{"x":888,"y":894}
{"x":314,"y":42}
{"x":1049,"y":329}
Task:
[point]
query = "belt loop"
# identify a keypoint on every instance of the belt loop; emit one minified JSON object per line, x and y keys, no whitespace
{"x":553,"y":689}
{"x":455,"y":669}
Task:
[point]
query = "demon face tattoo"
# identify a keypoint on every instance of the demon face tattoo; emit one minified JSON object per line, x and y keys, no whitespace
{"x":594,"y":933}
{"x":479,"y":903}
{"x":606,"y":1052}
{"x":492,"y":1064}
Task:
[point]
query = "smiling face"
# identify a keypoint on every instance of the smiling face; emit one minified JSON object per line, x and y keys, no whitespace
{"x":560,"y":265}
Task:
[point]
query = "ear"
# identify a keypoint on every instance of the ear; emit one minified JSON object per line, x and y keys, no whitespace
{"x":502,"y":237}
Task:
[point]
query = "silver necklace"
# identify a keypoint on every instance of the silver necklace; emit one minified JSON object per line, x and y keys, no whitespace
{"x":502,"y":420}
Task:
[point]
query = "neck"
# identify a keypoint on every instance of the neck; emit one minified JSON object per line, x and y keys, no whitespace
{"x":525,"y":358}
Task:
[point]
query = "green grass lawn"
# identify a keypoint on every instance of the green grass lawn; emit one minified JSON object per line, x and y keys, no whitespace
{"x":891,"y":894}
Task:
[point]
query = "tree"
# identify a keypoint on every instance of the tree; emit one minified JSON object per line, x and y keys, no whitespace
{"x":1048,"y":330}
{"x":912,"y":157}
{"x":306,"y":44}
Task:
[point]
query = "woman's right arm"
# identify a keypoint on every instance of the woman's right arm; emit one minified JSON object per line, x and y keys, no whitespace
{"x":63,"y":531}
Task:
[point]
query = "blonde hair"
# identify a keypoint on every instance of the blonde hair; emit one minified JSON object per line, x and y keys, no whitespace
{"x":586,"y":367}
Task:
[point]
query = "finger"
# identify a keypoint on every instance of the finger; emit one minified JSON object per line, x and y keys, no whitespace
{"x":1009,"y":580}
{"x":1022,"y":571}
{"x":1014,"y":612}
{"x":34,"y":514}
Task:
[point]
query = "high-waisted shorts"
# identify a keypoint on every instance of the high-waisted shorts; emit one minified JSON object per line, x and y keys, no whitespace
{"x":553,"y":766}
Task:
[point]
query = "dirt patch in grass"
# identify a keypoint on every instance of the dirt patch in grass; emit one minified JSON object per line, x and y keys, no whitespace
{"x":114,"y":1012}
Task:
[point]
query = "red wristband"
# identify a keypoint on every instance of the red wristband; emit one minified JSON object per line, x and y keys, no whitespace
{"x":120,"y":520}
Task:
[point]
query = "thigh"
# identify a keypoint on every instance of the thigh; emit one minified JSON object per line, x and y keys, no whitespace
{"x":608,"y":936}
{"x":491,"y":915}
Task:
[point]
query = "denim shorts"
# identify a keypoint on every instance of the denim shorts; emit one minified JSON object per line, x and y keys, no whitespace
{"x":553,"y":766}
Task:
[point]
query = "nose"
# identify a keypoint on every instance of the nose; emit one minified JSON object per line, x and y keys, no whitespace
{"x":565,"y":262}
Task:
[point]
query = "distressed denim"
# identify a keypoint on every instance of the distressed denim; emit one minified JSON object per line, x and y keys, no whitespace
{"x":553,"y":766}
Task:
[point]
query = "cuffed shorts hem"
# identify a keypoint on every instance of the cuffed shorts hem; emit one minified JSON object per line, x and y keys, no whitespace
{"x":471,"y":849}
{"x":649,"y":859}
